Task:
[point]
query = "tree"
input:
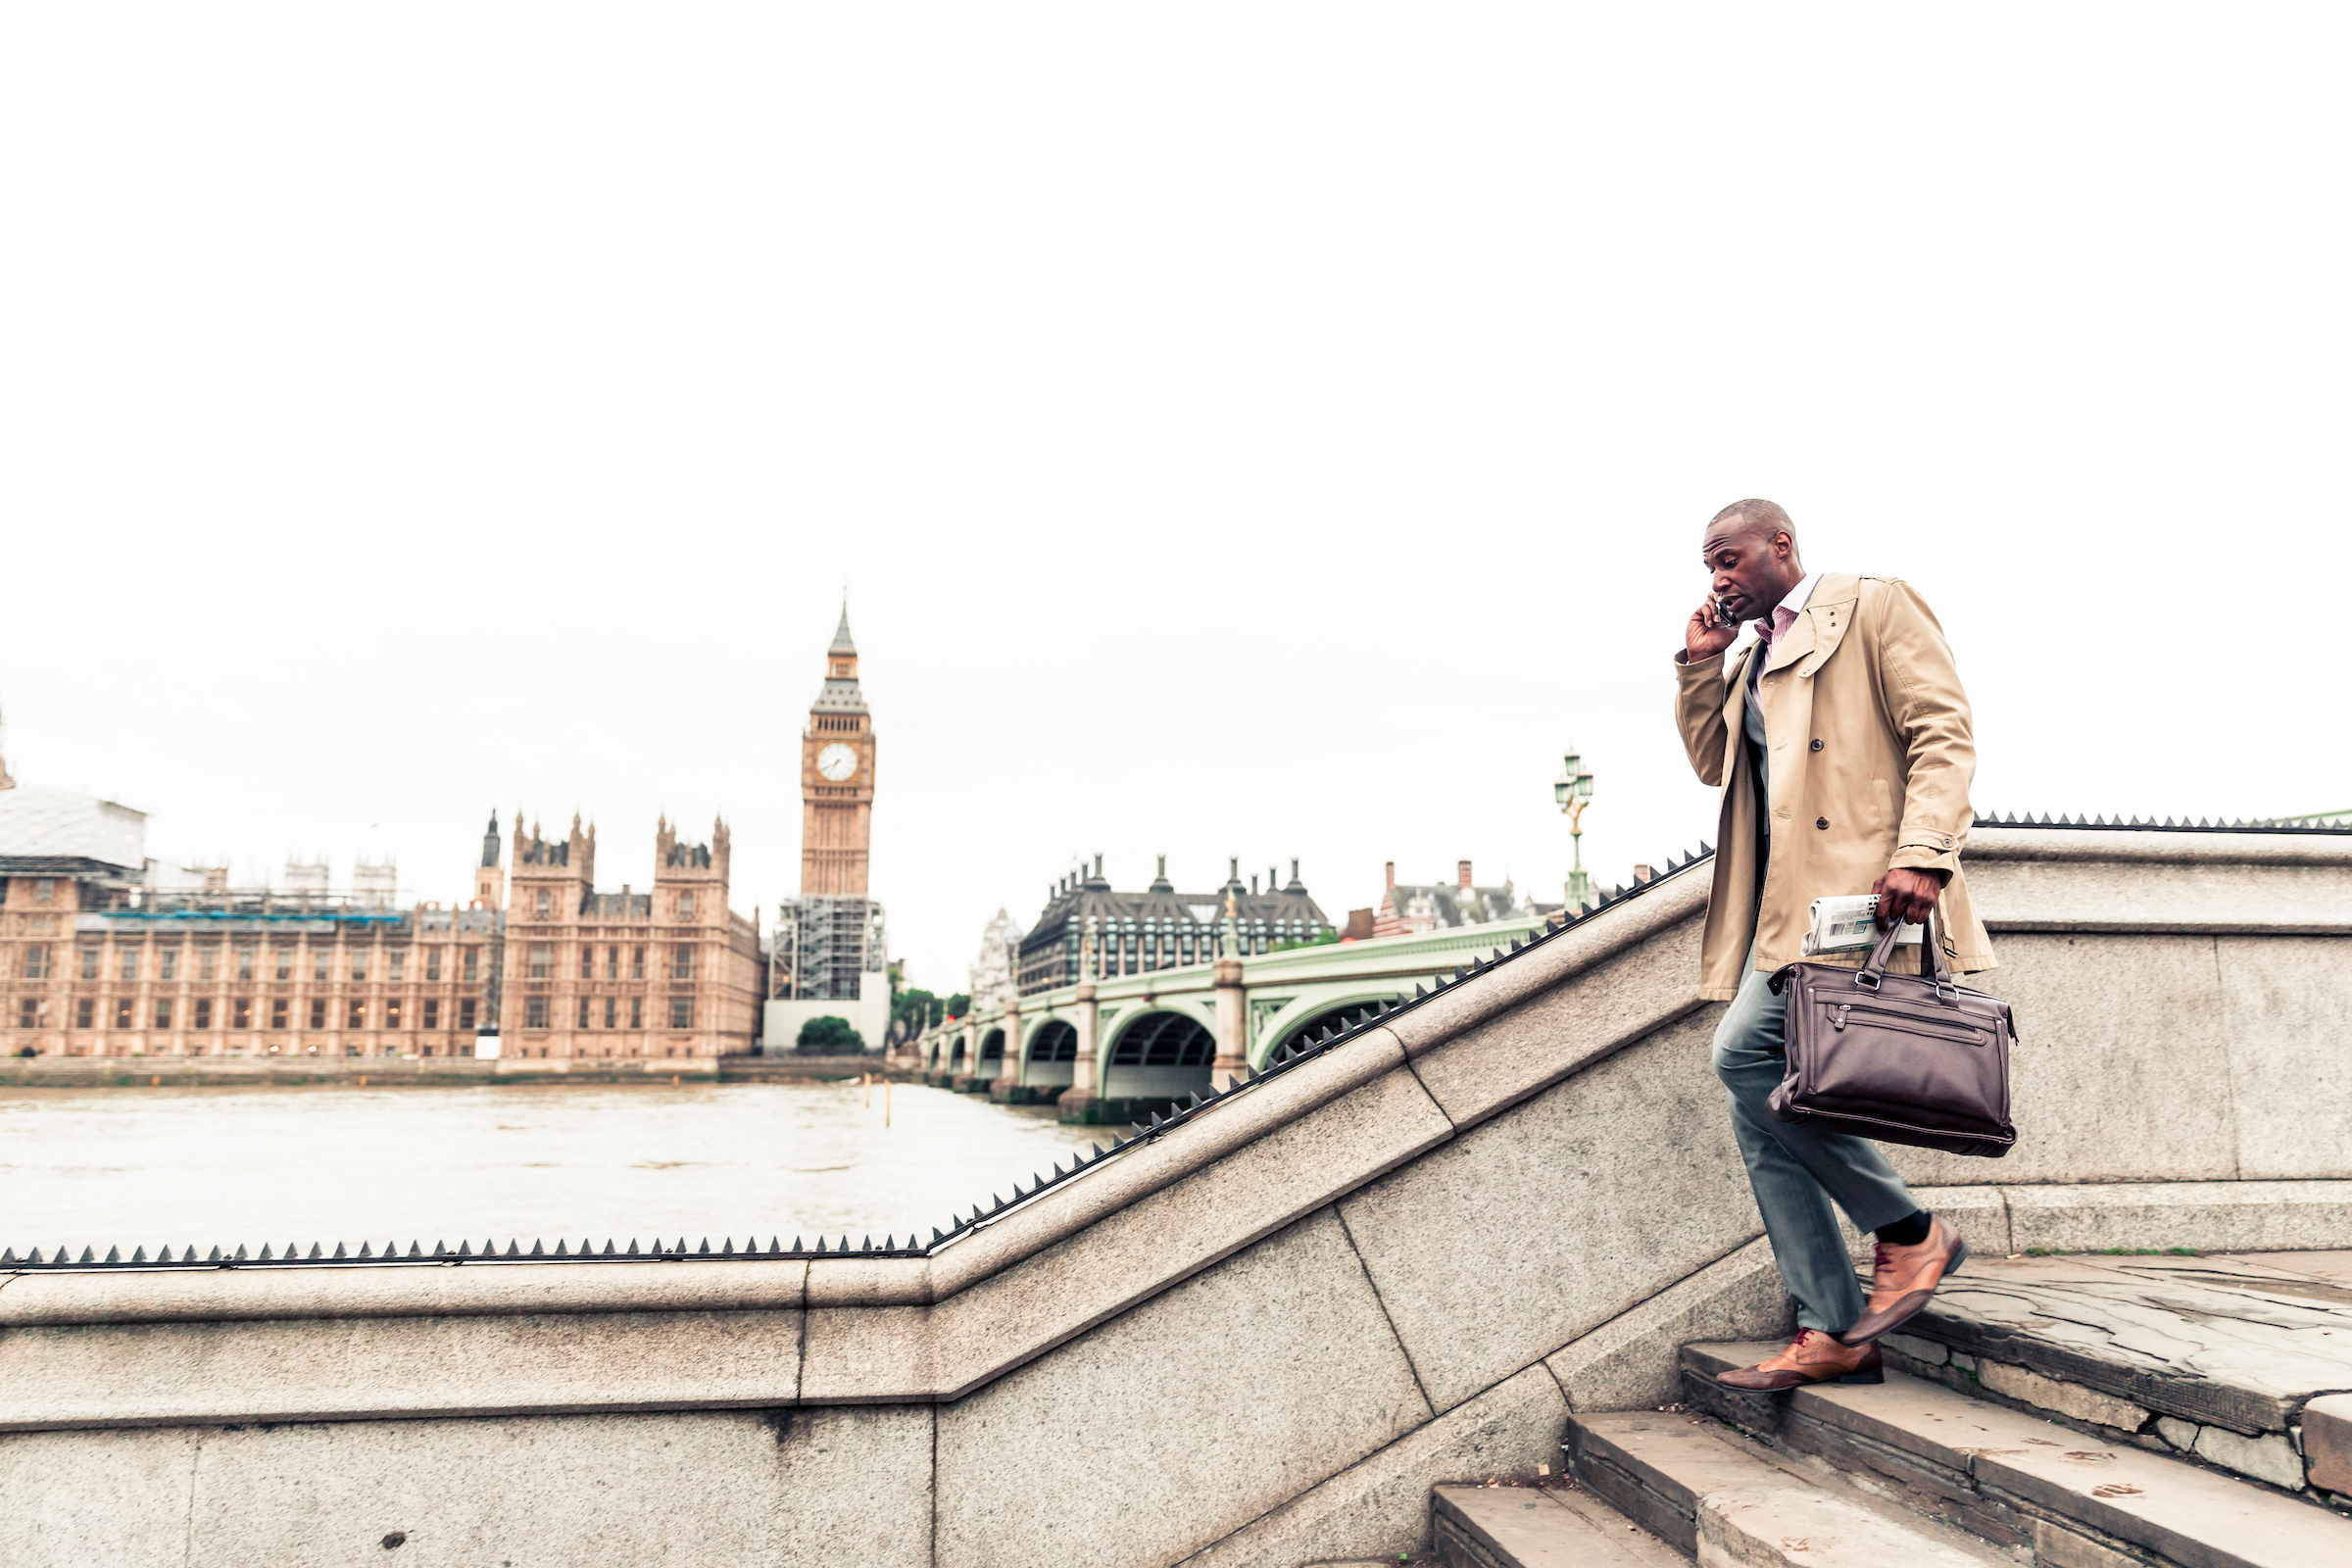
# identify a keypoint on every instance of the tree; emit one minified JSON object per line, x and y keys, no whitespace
{"x":916,"y":1008}
{"x":828,"y":1036}
{"x":959,"y":1005}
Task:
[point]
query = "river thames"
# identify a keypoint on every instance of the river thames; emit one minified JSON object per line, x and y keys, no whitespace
{"x":128,"y":1167}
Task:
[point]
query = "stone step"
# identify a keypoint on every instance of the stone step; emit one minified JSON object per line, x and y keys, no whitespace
{"x":2017,"y":1480}
{"x":1524,"y":1527}
{"x":1722,"y":1499}
{"x":2214,"y":1356}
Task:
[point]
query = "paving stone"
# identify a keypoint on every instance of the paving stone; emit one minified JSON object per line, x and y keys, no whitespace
{"x":2186,"y":1513}
{"x":1780,"y":1526}
{"x":2328,"y":1441}
{"x":1927,"y":1352}
{"x":1520,"y":1527}
{"x":2181,"y":1435}
{"x":2211,"y":1342}
{"x":2270,"y":1457}
{"x":2066,"y":1398}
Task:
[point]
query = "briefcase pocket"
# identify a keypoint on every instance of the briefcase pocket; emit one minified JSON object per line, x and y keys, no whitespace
{"x":1937,"y":1076}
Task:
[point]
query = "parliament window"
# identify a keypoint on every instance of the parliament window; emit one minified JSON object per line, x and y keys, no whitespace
{"x":208,"y":962}
{"x":583,"y":1013}
{"x":685,"y":905}
{"x":167,"y":964}
{"x":359,"y":1014}
{"x":319,"y":960}
{"x":28,"y":1012}
{"x":44,"y":889}
{"x":285,"y":963}
{"x":400,"y":964}
{"x":204,"y":1012}
{"x":278,"y":1013}
{"x":611,"y":963}
{"x":89,"y":963}
{"x":587,"y":962}
{"x":163,"y":1013}
{"x":432,"y":963}
{"x":392,"y":1012}
{"x":244,"y":1012}
{"x":681,"y":961}
{"x":546,"y":902}
{"x":465,"y":1012}
{"x":244,"y":963}
{"x":681,"y":1013}
{"x":637,"y":963}
{"x":471,"y":970}
{"x":432,"y":1012}
{"x":535,"y":1012}
{"x":122,"y":1006}
{"x":636,"y":1012}
{"x":611,"y":1010}
{"x":85,"y":1010}
{"x":318,"y":1013}
{"x":358,"y":964}
{"x":37,"y":961}
{"x":543,"y":958}
{"x":130,"y":963}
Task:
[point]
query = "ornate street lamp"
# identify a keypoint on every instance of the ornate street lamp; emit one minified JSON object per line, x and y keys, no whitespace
{"x":1573,"y":788}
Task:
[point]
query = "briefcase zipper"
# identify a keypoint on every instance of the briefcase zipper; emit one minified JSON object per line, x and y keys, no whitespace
{"x":1922,"y":1027}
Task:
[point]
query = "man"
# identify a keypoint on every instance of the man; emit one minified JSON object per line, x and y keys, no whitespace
{"x":1842,"y":740}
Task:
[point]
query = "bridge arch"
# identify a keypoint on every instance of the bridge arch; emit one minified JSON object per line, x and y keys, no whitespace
{"x":1302,"y":1033}
{"x":992,"y":1048}
{"x":1159,"y":1055}
{"x":1053,"y":1055}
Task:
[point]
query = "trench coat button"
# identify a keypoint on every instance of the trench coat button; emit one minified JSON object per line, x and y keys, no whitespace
{"x":1817,"y":743}
{"x":1821,"y":821}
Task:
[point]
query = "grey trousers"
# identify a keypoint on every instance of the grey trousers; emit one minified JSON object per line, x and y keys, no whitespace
{"x":1796,"y":1171}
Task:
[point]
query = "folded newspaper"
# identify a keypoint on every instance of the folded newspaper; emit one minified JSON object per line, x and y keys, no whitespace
{"x":1850,"y":925}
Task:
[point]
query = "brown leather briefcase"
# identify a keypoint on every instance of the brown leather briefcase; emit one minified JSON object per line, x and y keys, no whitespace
{"x":1903,"y":1058}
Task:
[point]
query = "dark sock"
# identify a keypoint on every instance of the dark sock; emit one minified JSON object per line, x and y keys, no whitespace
{"x":1906,"y":1232}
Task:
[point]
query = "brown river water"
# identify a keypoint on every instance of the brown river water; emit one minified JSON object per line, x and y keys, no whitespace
{"x":129,"y":1167}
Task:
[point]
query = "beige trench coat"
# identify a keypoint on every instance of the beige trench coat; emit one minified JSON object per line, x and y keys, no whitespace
{"x":1871,"y":757}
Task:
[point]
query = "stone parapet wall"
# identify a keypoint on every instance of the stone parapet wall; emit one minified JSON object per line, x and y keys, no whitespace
{"x":1258,"y":1339}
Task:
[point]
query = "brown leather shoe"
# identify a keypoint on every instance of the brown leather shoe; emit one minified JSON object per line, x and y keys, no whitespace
{"x":1903,"y":1278}
{"x":1811,"y":1357}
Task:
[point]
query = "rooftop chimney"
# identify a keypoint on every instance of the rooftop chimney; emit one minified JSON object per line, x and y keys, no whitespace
{"x":1641,"y":875}
{"x":1392,"y":876}
{"x":1461,"y":880}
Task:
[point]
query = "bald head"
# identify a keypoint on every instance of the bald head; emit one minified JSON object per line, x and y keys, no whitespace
{"x":1743,"y":517}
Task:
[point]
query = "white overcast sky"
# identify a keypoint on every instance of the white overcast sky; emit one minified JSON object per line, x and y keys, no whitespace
{"x":1260,"y":429}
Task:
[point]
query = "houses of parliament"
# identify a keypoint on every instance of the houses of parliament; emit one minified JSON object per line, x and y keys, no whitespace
{"x":106,"y":953}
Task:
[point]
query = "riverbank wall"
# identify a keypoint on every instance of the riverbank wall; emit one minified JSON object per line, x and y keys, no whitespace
{"x":1253,"y":1339}
{"x":456,"y":1072}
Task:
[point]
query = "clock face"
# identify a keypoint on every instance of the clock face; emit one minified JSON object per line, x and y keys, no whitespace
{"x":837,"y":761}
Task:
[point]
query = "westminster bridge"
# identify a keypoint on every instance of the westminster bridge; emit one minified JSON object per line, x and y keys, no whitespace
{"x":1113,"y":1048}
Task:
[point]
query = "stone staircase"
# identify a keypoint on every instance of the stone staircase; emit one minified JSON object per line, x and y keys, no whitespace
{"x":2064,"y":1412}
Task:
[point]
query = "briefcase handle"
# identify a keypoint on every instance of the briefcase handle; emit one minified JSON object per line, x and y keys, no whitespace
{"x":1871,"y":973}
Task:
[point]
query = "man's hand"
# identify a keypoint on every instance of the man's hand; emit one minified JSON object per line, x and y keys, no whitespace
{"x":1906,"y":895}
{"x":1703,"y":638}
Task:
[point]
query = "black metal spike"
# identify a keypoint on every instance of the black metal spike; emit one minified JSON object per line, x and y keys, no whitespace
{"x":162,"y":1254}
{"x":240,"y":1255}
{"x":315,"y":1252}
{"x":1419,"y":992}
{"x":465,"y":1249}
{"x":936,"y":1236}
{"x":8,"y":1254}
{"x":890,"y":1243}
{"x":538,"y":1249}
{"x":262,"y":1258}
{"x":138,"y":1254}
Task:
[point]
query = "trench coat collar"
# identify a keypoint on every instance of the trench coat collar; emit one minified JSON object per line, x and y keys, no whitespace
{"x":1821,"y":625}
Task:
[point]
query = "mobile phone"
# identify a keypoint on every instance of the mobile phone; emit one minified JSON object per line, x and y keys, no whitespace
{"x":1724,"y":618}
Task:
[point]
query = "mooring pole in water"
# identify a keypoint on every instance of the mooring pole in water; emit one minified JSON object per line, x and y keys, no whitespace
{"x":885,"y":1102}
{"x":867,"y":1079}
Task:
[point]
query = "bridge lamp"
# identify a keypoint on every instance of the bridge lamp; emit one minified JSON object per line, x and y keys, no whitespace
{"x":1573,"y":790}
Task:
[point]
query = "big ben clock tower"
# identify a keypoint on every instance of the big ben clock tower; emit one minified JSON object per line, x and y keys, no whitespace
{"x":837,"y":779}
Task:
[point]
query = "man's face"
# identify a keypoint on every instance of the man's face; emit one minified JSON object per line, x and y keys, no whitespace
{"x":1751,"y":568}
